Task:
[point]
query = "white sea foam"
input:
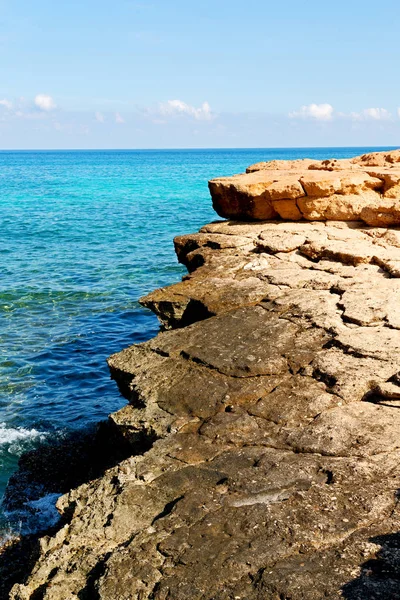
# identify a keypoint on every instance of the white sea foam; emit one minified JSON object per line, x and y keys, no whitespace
{"x":15,"y":437}
{"x":44,"y":509}
{"x":32,"y":517}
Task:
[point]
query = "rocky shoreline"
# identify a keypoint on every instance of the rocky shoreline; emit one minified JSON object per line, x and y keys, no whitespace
{"x":263,"y":423}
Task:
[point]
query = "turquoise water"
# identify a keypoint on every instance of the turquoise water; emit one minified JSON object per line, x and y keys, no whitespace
{"x":82,"y":236}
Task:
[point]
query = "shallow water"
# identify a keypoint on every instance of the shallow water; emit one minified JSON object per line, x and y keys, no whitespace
{"x":82,"y":236}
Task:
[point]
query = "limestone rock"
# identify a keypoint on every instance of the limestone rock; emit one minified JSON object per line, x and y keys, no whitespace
{"x":270,"y":423}
{"x":378,"y":159}
{"x":365,"y":188}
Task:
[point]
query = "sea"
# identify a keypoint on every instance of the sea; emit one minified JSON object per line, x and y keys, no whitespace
{"x":84,"y":234}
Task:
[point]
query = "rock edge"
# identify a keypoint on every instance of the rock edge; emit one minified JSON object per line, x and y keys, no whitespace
{"x":365,"y":188}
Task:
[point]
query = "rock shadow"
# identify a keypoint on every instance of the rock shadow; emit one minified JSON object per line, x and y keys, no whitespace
{"x":61,"y":464}
{"x":380,"y":577}
{"x":17,"y":559}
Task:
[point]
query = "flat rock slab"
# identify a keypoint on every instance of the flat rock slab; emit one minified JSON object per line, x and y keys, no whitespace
{"x":366,"y":187}
{"x":269,"y":411}
{"x":246,"y":342}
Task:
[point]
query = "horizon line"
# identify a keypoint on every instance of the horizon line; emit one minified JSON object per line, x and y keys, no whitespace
{"x":167,"y":149}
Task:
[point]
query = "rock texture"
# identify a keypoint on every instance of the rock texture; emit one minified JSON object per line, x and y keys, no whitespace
{"x":365,"y":188}
{"x":270,"y":406}
{"x":276,"y":461}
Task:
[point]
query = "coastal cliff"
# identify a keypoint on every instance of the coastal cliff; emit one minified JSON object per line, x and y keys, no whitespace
{"x":267,"y":409}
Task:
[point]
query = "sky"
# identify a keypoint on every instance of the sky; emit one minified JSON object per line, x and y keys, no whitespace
{"x":192,"y":74}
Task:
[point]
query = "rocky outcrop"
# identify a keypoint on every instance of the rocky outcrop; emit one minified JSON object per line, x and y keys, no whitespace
{"x":269,"y":413}
{"x":365,"y":188}
{"x":275,"y":425}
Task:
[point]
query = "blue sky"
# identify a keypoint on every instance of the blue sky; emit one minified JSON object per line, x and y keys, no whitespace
{"x":174,"y":73}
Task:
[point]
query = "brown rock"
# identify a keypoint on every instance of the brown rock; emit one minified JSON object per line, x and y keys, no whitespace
{"x":270,"y":428}
{"x":245,"y":196}
{"x":287,"y":209}
{"x":366,"y":188}
{"x":378,"y":159}
{"x":385,"y":213}
{"x":284,"y":165}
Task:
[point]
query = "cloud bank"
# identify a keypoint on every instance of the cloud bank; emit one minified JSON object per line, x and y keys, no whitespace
{"x":326,"y":112}
{"x":38,"y":122}
{"x":376,"y":114}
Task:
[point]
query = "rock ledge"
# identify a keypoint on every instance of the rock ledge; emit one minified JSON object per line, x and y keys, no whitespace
{"x":364,"y":188}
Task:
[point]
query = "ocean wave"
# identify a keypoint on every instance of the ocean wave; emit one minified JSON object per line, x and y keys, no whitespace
{"x":34,"y":516}
{"x":44,"y":510}
{"x":14,"y":439}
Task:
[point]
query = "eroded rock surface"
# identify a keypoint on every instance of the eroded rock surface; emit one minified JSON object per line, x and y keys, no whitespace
{"x":366,"y":187}
{"x":273,"y":404}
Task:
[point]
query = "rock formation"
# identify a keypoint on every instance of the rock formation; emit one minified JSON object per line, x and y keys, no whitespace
{"x":365,"y":188}
{"x":271,"y":400}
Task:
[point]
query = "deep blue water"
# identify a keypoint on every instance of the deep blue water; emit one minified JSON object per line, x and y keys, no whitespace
{"x":82,"y":236}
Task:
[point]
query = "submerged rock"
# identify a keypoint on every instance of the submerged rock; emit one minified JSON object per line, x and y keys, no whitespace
{"x":364,"y":188}
{"x":272,"y":404}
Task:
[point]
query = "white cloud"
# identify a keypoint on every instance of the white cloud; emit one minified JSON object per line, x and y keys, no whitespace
{"x":99,"y":117}
{"x":178,"y":107}
{"x":325,"y":112}
{"x":374,"y":114}
{"x":320,"y":112}
{"x":6,"y":103}
{"x":119,"y":118}
{"x":379,"y":114}
{"x":45,"y":102}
